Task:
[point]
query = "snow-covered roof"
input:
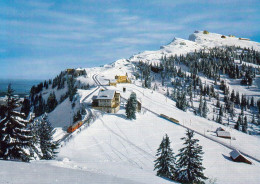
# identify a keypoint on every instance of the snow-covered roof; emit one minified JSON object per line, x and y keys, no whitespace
{"x":113,"y":81}
{"x":220,"y":129}
{"x":223,"y":134}
{"x":234,"y":154}
{"x":106,"y":95}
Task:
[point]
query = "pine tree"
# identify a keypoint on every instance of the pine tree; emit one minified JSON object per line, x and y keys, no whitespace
{"x":165,"y":162}
{"x":205,"y":109}
{"x":239,"y":122}
{"x":72,"y":89}
{"x":47,"y":144}
{"x":130,"y":108}
{"x":14,"y":134}
{"x":200,"y":110}
{"x":35,"y":150}
{"x":253,"y":119}
{"x":189,"y":163}
{"x":25,"y":107}
{"x":245,"y":125}
{"x":51,"y":102}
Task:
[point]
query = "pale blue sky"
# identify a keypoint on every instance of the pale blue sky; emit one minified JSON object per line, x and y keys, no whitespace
{"x":41,"y":38}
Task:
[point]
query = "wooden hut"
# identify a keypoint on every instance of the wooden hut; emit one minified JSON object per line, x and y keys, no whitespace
{"x":205,"y":32}
{"x":247,"y":39}
{"x":223,"y":36}
{"x":236,"y":156}
{"x":224,"y":134}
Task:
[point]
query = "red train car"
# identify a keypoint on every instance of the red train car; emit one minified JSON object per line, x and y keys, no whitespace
{"x":74,"y":127}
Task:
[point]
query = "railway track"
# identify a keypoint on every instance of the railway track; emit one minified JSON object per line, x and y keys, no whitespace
{"x":89,"y":115}
{"x":199,"y":133}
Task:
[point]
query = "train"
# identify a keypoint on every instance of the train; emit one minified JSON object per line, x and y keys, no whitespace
{"x":170,"y":118}
{"x":74,"y":127}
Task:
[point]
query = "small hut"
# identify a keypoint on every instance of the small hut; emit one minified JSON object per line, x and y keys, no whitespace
{"x":205,"y":32}
{"x":223,"y":36}
{"x":224,"y":134}
{"x":247,"y":39}
{"x":236,"y":156}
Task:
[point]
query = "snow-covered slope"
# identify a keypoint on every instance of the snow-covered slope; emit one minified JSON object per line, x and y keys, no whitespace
{"x":196,"y":41}
{"x":116,"y":150}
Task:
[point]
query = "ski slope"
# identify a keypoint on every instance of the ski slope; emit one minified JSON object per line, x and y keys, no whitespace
{"x":116,"y":150}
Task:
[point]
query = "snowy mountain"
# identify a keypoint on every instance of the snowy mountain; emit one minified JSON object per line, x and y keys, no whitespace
{"x":113,"y":149}
{"x":196,"y":41}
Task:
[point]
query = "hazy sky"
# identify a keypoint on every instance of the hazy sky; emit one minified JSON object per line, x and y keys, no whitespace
{"x":38,"y":39}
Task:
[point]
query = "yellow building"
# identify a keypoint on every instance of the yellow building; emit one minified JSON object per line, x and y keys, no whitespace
{"x":205,"y":32}
{"x":231,"y":36}
{"x":122,"y":79}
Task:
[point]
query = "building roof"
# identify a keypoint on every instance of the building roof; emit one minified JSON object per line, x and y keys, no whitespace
{"x":220,"y":129}
{"x":234,"y":154}
{"x":223,"y":134}
{"x":106,"y":95}
{"x":113,"y":81}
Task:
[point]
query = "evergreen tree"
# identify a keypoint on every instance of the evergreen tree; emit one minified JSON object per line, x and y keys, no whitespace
{"x":47,"y":144}
{"x":205,"y":109}
{"x":130,"y":108}
{"x":35,"y":150}
{"x":72,"y":89}
{"x":200,"y":110}
{"x":258,"y":105}
{"x":239,"y":122}
{"x":51,"y":102}
{"x":232,"y":97}
{"x":253,"y":119}
{"x":189,"y":163}
{"x":26,"y":107}
{"x":245,"y":125}
{"x":181,"y":101}
{"x":165,"y":162}
{"x":14,"y":134}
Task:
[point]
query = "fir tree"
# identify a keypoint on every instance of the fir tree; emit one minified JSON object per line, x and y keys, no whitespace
{"x":165,"y":162}
{"x":205,"y":109}
{"x":26,"y":107}
{"x":51,"y":102}
{"x":130,"y":108}
{"x":189,"y":163}
{"x":238,"y":123}
{"x":14,"y":134}
{"x":200,"y":110}
{"x":245,"y":125}
{"x":35,"y":150}
{"x":72,"y":89}
{"x":253,"y":119}
{"x":47,"y":144}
